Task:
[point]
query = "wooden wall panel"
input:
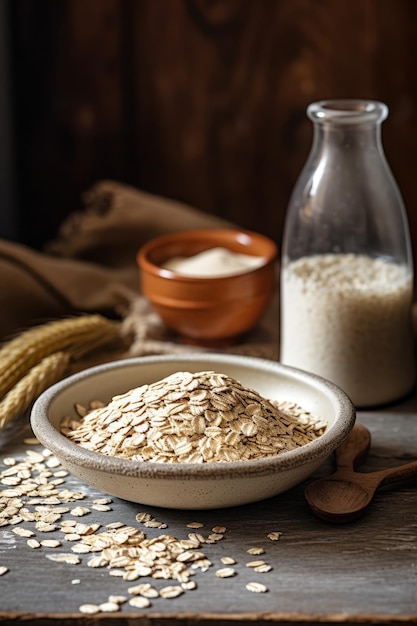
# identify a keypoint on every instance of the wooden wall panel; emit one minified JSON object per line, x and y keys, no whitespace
{"x":395,"y":70}
{"x":68,"y":112}
{"x":199,"y":100}
{"x":229,"y":83}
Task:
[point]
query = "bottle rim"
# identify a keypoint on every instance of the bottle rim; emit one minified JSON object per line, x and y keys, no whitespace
{"x":345,"y":111}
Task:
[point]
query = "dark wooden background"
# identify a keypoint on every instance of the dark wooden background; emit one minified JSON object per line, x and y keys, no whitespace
{"x":198,"y":100}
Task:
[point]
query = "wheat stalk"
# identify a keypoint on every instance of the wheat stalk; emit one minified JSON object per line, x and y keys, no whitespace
{"x":40,"y":377}
{"x":78,"y":335}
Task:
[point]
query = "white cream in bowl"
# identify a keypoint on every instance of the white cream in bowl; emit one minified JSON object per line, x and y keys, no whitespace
{"x":214,"y":262}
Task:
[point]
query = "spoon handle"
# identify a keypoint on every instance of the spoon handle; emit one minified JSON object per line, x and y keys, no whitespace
{"x":395,"y":474}
{"x":354,"y":449}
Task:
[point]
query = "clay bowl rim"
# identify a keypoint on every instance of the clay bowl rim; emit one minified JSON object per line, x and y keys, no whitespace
{"x":214,"y":236}
{"x":320,"y":448}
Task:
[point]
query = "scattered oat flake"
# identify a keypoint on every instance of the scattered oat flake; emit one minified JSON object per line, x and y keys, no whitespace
{"x":23,"y":532}
{"x":3,"y":570}
{"x":50,"y":543}
{"x":117,"y":599}
{"x":45,"y":527}
{"x":89,"y":608}
{"x":202,"y":564}
{"x":52,"y":462}
{"x":69,"y":522}
{"x":9,"y":461}
{"x":144,"y":589}
{"x":35,"y":457}
{"x":189,"y":555}
{"x":80,"y":548}
{"x":189,"y":585}
{"x":70,"y":559}
{"x":72,"y":536}
{"x":109,"y":607}
{"x":79,"y":511}
{"x":119,"y":573}
{"x":33,"y":543}
{"x":150,"y":592}
{"x":262,"y":569}
{"x":101,"y":507}
{"x":11,"y":481}
{"x":97,"y":561}
{"x":227,"y":560}
{"x":31,"y":441}
{"x":61,"y":473}
{"x":139,"y":602}
{"x":171,"y":591}
{"x":85,"y":529}
{"x":225,"y":572}
{"x":57,"y":509}
{"x":195,"y":525}
{"x":255,"y":563}
{"x":219,"y":529}
{"x":131,"y":575}
{"x":114,"y":525}
{"x":256,"y":587}
{"x":274,"y":536}
{"x":154,"y":524}
{"x":255,"y":550}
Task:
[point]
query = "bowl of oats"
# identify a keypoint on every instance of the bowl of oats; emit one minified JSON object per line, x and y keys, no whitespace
{"x":192,"y":431}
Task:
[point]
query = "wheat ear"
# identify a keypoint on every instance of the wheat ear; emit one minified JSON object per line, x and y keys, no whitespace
{"x":77,"y":335}
{"x":40,"y":377}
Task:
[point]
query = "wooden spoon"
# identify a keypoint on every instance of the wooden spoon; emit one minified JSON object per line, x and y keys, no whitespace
{"x":344,"y":495}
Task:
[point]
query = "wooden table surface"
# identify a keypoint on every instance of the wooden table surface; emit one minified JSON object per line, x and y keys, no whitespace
{"x":362,"y":572}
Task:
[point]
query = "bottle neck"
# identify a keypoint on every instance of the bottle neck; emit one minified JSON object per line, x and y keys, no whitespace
{"x":348,"y":124}
{"x":351,"y":138}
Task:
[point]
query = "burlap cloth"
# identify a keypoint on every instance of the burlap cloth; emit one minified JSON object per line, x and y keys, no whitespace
{"x":91,"y":268}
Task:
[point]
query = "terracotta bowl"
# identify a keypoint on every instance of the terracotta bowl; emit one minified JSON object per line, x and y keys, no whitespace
{"x":208,"y":310}
{"x":193,"y":485}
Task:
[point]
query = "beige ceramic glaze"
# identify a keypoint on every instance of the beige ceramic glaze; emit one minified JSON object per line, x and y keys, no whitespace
{"x":193,"y":486}
{"x":208,"y":311}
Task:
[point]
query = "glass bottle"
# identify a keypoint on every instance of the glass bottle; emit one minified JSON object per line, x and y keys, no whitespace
{"x":347,"y":266}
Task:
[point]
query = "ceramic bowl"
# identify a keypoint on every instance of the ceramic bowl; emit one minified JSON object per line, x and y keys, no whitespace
{"x":208,"y":310}
{"x":193,"y":486}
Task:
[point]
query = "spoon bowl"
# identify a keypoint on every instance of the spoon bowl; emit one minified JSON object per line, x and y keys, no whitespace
{"x":344,"y":495}
{"x":338,"y":500}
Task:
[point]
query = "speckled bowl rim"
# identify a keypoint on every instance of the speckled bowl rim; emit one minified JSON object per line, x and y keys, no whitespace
{"x":318,"y":449}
